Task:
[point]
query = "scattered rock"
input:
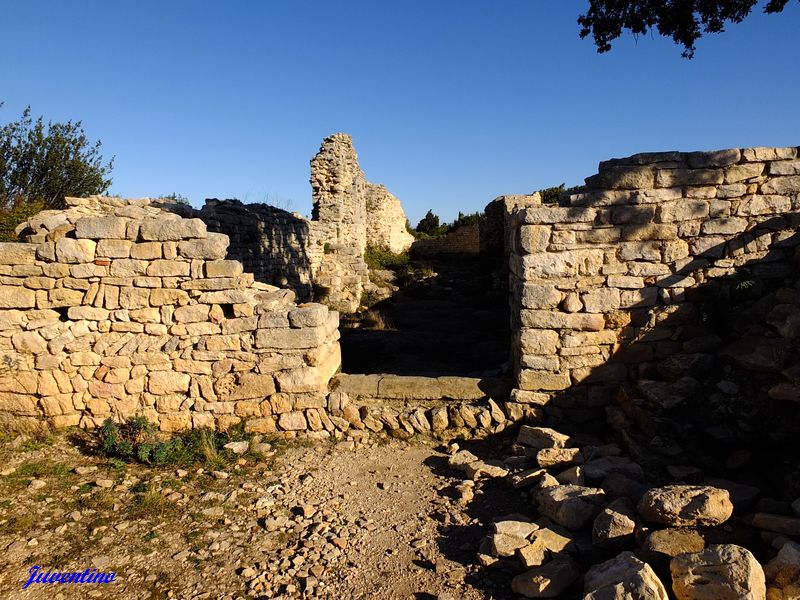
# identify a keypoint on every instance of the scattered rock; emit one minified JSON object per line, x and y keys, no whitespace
{"x":720,"y":572}
{"x":238,"y":447}
{"x":623,"y":578}
{"x":548,"y":581}
{"x":672,"y":542}
{"x":615,"y":524}
{"x":783,"y":573}
{"x":682,"y":505}
{"x":541,"y":437}
{"x":570,"y":506}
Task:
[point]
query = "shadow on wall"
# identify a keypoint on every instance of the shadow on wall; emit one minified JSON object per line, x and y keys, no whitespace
{"x":690,"y":392}
{"x":270,"y":242}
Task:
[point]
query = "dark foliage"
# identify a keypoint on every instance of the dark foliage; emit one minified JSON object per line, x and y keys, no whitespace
{"x":685,"y":21}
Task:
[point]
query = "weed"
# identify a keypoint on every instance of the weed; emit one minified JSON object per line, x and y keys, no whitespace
{"x":376,"y":320}
{"x":150,"y":504}
{"x":150,"y":535}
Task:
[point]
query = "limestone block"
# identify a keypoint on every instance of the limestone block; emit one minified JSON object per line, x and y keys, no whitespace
{"x":571,"y":506}
{"x":193,"y":313}
{"x":626,"y":177}
{"x":720,"y":572}
{"x":601,"y":300}
{"x":288,"y":339}
{"x":540,"y":296}
{"x":12,"y":296}
{"x":308,"y":315}
{"x":130,"y":297}
{"x":686,"y":505}
{"x":754,"y":154}
{"x":292,"y":421}
{"x":227,"y":297}
{"x":177,"y":422}
{"x":146,"y":251}
{"x":407,"y":388}
{"x":624,"y":576}
{"x":743,"y":172}
{"x":164,"y":296}
{"x":168,"y":382}
{"x":551,"y":214}
{"x":96,"y":228}
{"x":128,"y":267}
{"x":538,"y":341}
{"x":19,"y":404}
{"x":531,"y":380}
{"x":533,"y":238}
{"x":682,"y":210}
{"x":680,"y":177}
{"x":213,"y":247}
{"x":762,"y":205}
{"x":789,"y":167}
{"x":724,"y":226}
{"x":14,"y":253}
{"x":89,"y":313}
{"x":640,"y":215}
{"x":223,"y":268}
{"x":75,"y":251}
{"x":253,"y":386}
{"x":782,"y":185}
{"x":625,"y":282}
{"x":633,"y":233}
{"x":172,"y":229}
{"x":168,"y":268}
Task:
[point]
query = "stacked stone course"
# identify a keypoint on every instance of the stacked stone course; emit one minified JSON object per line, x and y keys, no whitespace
{"x":602,"y":285}
{"x":117,"y":308}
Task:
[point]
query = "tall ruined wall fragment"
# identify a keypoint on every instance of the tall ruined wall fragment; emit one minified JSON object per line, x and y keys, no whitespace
{"x":618,"y":281}
{"x":348,"y":215}
{"x":116,"y":308}
{"x":386,"y":221}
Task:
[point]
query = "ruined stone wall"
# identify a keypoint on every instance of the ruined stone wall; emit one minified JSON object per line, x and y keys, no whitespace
{"x":271,"y":243}
{"x":349,"y":213}
{"x":622,"y":277}
{"x":386,"y":221}
{"x":464,"y":240}
{"x":116,"y":308}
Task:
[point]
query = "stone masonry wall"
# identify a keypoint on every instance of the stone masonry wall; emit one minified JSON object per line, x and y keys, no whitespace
{"x":609,"y":283}
{"x":119,"y":308}
{"x":386,"y":221}
{"x":464,"y":240}
{"x":349,"y":214}
{"x":270,"y":242}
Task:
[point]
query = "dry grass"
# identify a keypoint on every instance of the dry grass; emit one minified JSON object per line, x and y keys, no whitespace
{"x":376,"y":320}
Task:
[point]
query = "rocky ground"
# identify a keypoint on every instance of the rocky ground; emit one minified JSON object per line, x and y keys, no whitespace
{"x":531,"y":512}
{"x":370,"y":520}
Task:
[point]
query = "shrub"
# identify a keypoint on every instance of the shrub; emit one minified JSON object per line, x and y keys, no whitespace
{"x":137,"y":440}
{"x":45,"y":162}
{"x":13,"y":216}
{"x":378,"y":259}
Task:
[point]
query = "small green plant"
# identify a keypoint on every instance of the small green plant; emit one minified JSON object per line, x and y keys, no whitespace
{"x":14,"y":215}
{"x":379,"y":259}
{"x":327,"y":249}
{"x":137,"y":440}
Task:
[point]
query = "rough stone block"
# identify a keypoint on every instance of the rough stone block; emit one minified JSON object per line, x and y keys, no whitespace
{"x":162,"y":230}
{"x":96,"y":228}
{"x":12,"y":296}
{"x":223,"y":268}
{"x":15,"y":253}
{"x":213,"y":247}
{"x":75,"y":251}
{"x":681,"y":177}
{"x":168,"y":268}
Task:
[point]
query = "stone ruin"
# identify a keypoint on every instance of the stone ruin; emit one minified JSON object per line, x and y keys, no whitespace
{"x":322,"y":258}
{"x":121,"y":307}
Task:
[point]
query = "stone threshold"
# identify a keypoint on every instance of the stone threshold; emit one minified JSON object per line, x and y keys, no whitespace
{"x":402,"y":387}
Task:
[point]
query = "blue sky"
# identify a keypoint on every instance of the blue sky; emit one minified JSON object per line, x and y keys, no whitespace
{"x":450,"y":102}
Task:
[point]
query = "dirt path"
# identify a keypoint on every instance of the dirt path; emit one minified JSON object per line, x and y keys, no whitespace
{"x":325,"y":521}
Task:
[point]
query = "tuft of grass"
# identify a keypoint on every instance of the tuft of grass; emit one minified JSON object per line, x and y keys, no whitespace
{"x":151,"y":504}
{"x":97,"y":499}
{"x":376,"y":320}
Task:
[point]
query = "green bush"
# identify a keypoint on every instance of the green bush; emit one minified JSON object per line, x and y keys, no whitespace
{"x":13,"y":216}
{"x":45,"y":162}
{"x":137,"y":440}
{"x":379,"y":259}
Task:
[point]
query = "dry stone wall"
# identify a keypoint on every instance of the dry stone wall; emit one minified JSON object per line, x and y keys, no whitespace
{"x":270,"y":242}
{"x":117,"y":308}
{"x":348,"y":215}
{"x":610,"y":283}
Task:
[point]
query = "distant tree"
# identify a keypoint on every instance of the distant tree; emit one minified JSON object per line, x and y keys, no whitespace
{"x":43,"y":163}
{"x":429,"y":225}
{"x":685,"y":21}
{"x":463,"y":220}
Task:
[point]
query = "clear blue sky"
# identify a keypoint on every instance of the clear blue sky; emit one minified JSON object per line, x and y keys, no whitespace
{"x":450,"y":102}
